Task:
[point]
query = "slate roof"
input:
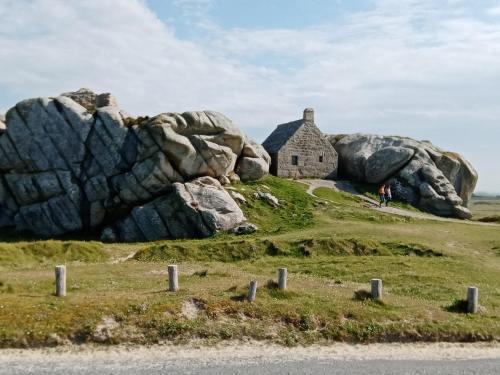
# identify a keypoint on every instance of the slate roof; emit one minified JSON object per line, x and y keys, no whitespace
{"x":281,"y":135}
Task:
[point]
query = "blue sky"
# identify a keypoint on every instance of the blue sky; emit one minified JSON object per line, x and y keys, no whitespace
{"x":256,"y":14}
{"x":427,"y":69}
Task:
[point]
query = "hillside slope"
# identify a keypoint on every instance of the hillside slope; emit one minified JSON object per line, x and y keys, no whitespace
{"x":332,"y":245}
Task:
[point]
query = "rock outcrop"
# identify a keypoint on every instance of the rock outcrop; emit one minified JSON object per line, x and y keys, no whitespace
{"x":193,"y":209}
{"x":2,"y":124}
{"x":422,"y":174}
{"x":77,"y":163}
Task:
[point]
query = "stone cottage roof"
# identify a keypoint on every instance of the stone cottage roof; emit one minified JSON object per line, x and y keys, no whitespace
{"x":278,"y":138}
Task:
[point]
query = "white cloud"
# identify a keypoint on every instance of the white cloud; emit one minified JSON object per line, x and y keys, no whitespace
{"x":495,"y":11}
{"x":419,"y":68}
{"x":49,"y":46}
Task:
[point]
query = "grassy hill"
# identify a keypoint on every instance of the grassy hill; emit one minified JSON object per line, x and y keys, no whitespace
{"x":332,"y":246}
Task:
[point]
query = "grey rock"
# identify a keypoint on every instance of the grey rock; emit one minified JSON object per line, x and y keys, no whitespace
{"x":54,"y":217}
{"x":233,"y":177}
{"x":244,"y":228}
{"x":250,"y":169}
{"x":239,"y":198}
{"x":85,"y":97}
{"x":194,"y":209}
{"x":255,"y":161}
{"x":269,"y":198}
{"x":382,"y":164}
{"x":77,"y":161}
{"x":97,"y":214}
{"x":96,"y":188}
{"x":108,"y":235}
{"x":224,"y":180}
{"x":2,"y":124}
{"x":422,"y":174}
{"x":8,"y":206}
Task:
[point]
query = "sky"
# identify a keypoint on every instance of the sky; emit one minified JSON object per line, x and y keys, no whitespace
{"x":424,"y":69}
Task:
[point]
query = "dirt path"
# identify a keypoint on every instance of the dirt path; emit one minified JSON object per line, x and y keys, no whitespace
{"x":347,"y":187}
{"x":252,"y":349}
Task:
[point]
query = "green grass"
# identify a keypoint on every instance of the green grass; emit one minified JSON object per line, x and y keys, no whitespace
{"x":346,"y":206}
{"x":371,"y":191}
{"x":296,"y":209}
{"x":27,"y":254}
{"x":332,"y":246}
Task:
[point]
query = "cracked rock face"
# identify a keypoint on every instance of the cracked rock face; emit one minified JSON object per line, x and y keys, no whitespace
{"x":77,"y":162}
{"x":420,"y":173}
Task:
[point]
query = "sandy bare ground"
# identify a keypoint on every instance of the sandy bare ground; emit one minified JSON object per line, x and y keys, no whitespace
{"x":347,"y":187}
{"x":253,"y":350}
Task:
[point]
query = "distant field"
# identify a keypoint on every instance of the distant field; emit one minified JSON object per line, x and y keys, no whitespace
{"x":485,"y":207}
{"x":332,"y":245}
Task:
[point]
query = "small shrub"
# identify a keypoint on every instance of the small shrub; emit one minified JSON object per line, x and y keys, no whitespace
{"x":202,"y":273}
{"x":307,"y":323}
{"x":288,"y":337}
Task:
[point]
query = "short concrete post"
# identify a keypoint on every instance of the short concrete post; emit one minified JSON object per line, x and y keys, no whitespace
{"x":60,"y":281}
{"x":376,"y":289}
{"x":173,"y":278}
{"x":282,"y":275}
{"x":252,"y":291}
{"x":472,"y":299}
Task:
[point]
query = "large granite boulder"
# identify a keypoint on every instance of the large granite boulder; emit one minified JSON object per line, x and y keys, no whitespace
{"x":77,"y":163}
{"x":422,"y":174}
{"x":254,"y":161}
{"x":193,"y":209}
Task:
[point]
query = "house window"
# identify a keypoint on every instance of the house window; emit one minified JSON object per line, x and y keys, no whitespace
{"x":321,"y":158}
{"x":295,"y":160}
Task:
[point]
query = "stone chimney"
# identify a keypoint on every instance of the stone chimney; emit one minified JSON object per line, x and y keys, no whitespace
{"x":309,"y":116}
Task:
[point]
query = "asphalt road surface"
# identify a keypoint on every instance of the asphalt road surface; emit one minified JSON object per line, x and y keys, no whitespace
{"x":259,"y":367}
{"x":438,"y":359}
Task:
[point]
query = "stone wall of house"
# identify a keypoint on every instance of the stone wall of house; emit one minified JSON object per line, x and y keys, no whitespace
{"x":308,"y":144}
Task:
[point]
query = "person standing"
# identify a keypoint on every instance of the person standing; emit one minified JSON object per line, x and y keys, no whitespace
{"x":381,"y":193}
{"x":388,"y":194}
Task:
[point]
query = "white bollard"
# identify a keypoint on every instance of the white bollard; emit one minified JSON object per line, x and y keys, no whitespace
{"x":376,"y":289}
{"x":472,"y":299}
{"x":252,"y":291}
{"x":173,"y":278}
{"x":282,"y":275}
{"x":60,"y":281}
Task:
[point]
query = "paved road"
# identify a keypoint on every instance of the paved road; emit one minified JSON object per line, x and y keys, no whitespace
{"x":253,"y":367}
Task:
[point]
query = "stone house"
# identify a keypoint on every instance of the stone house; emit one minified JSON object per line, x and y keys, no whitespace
{"x":298,"y":149}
